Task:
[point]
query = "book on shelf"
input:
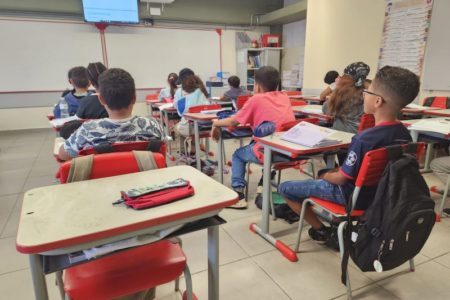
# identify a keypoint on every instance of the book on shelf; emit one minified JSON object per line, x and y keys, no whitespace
{"x":254,"y":62}
{"x":310,"y":135}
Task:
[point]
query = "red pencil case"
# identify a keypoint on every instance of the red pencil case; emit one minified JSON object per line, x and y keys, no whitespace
{"x":158,"y":198}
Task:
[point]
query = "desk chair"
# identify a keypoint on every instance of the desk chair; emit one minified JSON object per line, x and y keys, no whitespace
{"x":369,"y":174}
{"x":148,"y":101}
{"x":293,"y":93}
{"x":128,"y":271}
{"x":156,"y":146}
{"x":298,"y":102}
{"x":241,"y":100}
{"x":437,"y":101}
{"x":367,"y":121}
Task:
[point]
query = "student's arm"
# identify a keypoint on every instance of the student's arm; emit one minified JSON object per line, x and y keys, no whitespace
{"x":62,"y":154}
{"x":335,"y":177}
{"x":231,"y":121}
{"x":325,"y":93}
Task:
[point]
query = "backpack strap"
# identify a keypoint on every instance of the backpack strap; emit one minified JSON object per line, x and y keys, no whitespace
{"x":80,"y":168}
{"x":145,"y":160}
{"x":104,"y":148}
{"x":154,"y":145}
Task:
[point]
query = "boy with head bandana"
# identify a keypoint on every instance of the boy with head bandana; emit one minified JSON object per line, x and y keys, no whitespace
{"x":391,"y":90}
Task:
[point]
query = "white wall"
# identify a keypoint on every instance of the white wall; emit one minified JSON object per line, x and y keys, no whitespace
{"x":294,"y":46}
{"x":35,"y":117}
{"x":339,"y":33}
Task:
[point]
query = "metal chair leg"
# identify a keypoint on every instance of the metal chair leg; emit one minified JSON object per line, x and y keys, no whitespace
{"x":412,"y":266}
{"x":188,"y":279}
{"x":341,"y":251}
{"x":300,"y":224}
{"x":272,"y":206}
{"x":248,"y":180}
{"x":444,"y":196}
{"x":60,"y":284}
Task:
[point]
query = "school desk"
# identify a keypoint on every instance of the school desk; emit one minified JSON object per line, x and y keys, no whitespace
{"x":150,"y":103}
{"x":310,"y":99}
{"x":198,"y":118}
{"x":62,"y":219}
{"x":312,"y":111}
{"x":274,"y":144}
{"x":164,"y":120}
{"x":438,"y":113}
{"x":439,"y":134}
{"x":223,"y":103}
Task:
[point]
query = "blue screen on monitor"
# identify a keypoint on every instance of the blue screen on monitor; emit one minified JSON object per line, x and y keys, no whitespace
{"x":107,"y":11}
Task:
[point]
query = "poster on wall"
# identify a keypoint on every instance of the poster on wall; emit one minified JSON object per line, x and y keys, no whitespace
{"x":405,"y":32}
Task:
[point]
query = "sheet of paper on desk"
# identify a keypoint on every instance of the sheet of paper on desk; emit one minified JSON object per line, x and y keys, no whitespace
{"x":312,"y":110}
{"x":128,"y":243}
{"x":417,"y":106}
{"x":166,"y":106}
{"x":214,"y":111}
{"x":309,"y":135}
{"x":433,"y":125}
{"x":61,"y":121}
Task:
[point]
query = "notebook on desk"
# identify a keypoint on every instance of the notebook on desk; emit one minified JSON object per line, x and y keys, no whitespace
{"x":433,"y":125}
{"x":310,"y":135}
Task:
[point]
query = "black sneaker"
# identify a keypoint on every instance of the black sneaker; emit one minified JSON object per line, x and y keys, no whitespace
{"x":447,"y":211}
{"x":320,"y":235}
{"x":332,"y":242}
{"x":242,"y":203}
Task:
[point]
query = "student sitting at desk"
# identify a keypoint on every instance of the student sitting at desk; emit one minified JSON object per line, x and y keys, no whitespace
{"x":78,"y":78}
{"x":346,"y":103}
{"x":330,"y":79}
{"x":267,"y":104}
{"x":235,"y":90}
{"x":90,"y":106}
{"x":117,"y":94}
{"x":169,"y":92}
{"x":391,"y":90}
{"x":194,"y":92}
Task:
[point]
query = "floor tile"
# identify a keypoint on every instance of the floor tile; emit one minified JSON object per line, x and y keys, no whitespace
{"x":6,"y":207}
{"x":439,"y":241}
{"x":10,"y":228}
{"x":34,"y":182}
{"x":429,"y":281}
{"x":15,"y":261}
{"x":444,"y":260}
{"x":195,"y":247}
{"x":316,"y":268}
{"x":371,"y":292}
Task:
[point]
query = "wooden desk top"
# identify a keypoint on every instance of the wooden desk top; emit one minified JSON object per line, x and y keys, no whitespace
{"x":200,"y":116}
{"x":295,"y":150}
{"x":438,"y":112}
{"x":307,"y":98}
{"x":66,"y":215}
{"x":151,"y":101}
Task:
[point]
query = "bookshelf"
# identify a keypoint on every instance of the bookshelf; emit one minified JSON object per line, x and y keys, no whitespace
{"x":251,"y":59}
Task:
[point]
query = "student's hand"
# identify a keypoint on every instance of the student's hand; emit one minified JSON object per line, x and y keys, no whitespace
{"x":215,"y":133}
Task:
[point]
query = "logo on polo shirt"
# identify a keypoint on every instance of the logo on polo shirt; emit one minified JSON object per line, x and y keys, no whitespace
{"x":351,"y":159}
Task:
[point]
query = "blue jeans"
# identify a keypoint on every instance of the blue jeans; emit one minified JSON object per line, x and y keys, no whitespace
{"x":240,"y":158}
{"x":299,"y":190}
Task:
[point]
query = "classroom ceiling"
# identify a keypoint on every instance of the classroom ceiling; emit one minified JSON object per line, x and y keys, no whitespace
{"x":223,"y":12}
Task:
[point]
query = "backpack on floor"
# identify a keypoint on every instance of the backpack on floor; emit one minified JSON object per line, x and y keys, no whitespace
{"x":397,"y":224}
{"x":282,"y":210}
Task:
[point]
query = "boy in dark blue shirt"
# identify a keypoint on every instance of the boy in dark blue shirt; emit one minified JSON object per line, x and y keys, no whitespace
{"x":391,"y":90}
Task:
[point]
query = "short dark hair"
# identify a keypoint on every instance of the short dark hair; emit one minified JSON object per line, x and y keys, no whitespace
{"x":234,"y":81}
{"x":116,"y":86}
{"x":79,"y":77}
{"x":330,"y":77}
{"x":94,"y":70}
{"x":399,"y":84}
{"x":268,"y":77}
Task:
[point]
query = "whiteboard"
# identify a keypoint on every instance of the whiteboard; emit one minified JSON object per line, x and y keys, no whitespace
{"x":36,"y":55}
{"x":437,"y":55}
{"x":150,"y":53}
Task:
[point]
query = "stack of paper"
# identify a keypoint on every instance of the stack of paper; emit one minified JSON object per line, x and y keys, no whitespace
{"x":438,"y":125}
{"x":310,"y":135}
{"x":61,"y":121}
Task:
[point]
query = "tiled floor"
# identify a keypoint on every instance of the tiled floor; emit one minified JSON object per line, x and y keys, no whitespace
{"x":250,"y":267}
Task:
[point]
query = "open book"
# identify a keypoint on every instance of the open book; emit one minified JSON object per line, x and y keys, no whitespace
{"x":310,"y":135}
{"x":439,"y":125}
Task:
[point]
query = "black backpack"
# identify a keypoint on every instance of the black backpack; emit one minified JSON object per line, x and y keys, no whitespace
{"x":398,"y":222}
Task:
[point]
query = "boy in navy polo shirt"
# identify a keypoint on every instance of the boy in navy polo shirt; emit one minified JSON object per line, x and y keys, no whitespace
{"x":391,"y":90}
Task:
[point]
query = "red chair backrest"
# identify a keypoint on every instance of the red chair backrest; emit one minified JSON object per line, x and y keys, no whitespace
{"x":374,"y":164}
{"x":153,"y":145}
{"x":298,"y":102}
{"x":199,"y":108}
{"x":152,"y":97}
{"x":437,"y":101}
{"x":367,"y":121}
{"x":289,"y":125}
{"x":111,"y":164}
{"x":241,"y":100}
{"x":293,"y":93}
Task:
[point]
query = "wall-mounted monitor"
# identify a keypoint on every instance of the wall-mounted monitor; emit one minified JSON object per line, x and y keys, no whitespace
{"x":111,"y":11}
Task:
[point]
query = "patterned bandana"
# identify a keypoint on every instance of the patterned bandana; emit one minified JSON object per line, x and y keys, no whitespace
{"x":358,"y":71}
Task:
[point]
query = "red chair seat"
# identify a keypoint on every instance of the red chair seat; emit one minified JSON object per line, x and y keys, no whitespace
{"x":334,"y":208}
{"x":125,"y":272}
